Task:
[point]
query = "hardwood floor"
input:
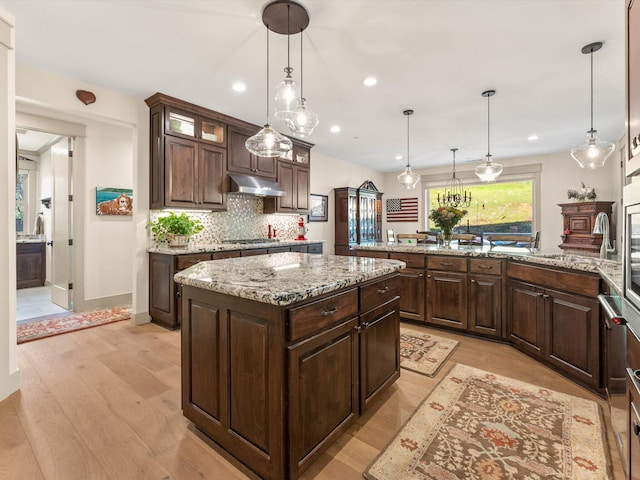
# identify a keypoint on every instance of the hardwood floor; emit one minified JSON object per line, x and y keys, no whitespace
{"x":104,"y":403}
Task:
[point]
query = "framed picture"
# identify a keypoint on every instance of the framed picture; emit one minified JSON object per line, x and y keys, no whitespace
{"x":114,"y":201}
{"x":318,"y":209}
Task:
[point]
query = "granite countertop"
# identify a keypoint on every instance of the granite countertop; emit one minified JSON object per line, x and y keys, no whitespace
{"x":609,"y":270}
{"x":221,"y":247}
{"x":30,"y":239}
{"x":284,"y":278}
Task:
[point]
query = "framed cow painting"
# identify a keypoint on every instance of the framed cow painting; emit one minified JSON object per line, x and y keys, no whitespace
{"x":114,"y":201}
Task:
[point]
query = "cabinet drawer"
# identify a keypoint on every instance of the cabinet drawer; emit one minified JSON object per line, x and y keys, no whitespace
{"x":252,"y":252}
{"x":587,"y":284}
{"x":318,"y":315}
{"x":278,"y":249}
{"x":412,"y":260}
{"x":487,"y":266}
{"x":315,"y":248}
{"x":228,"y":254}
{"x":447,"y":264}
{"x":371,"y":254}
{"x":379,"y":292}
{"x":186,"y":261}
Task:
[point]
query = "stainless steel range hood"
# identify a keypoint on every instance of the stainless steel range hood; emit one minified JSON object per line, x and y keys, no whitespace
{"x":262,"y":187}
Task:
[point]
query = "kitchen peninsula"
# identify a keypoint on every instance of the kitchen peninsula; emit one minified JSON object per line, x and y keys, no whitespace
{"x":282,"y":352}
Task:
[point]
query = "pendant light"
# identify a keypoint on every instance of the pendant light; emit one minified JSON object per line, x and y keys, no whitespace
{"x":288,"y":90}
{"x":594,"y":152}
{"x":454,"y":194}
{"x":302,"y":121}
{"x":489,"y":170}
{"x":408,"y":178}
{"x":268,"y":142}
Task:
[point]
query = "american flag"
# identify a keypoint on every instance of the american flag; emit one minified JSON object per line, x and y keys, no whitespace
{"x":402,"y":209}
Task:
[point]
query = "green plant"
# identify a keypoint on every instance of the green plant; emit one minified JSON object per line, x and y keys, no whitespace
{"x":175,"y":225}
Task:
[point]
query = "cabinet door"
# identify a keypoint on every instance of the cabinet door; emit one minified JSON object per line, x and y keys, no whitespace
{"x":239,"y":159}
{"x":30,"y":264}
{"x":447,"y":299}
{"x":322,"y":396}
{"x":572,"y":335}
{"x":264,"y":166}
{"x":412,"y":297}
{"x":286,"y":179}
{"x":302,"y":179}
{"x":162,"y":290}
{"x":485,"y":304}
{"x":181,"y":170}
{"x":525,"y":317}
{"x":379,"y":351}
{"x":212,"y":163}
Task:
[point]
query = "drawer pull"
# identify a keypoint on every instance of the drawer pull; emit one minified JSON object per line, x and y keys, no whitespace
{"x":446,"y":264}
{"x":383,"y":290}
{"x":358,"y":328}
{"x":636,"y":429}
{"x":636,"y":373}
{"x":326,"y":313}
{"x":473,"y":281}
{"x":485,"y":267}
{"x":545,"y":296}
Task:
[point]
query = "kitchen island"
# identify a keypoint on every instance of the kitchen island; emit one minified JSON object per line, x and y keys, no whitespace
{"x":281,"y":353}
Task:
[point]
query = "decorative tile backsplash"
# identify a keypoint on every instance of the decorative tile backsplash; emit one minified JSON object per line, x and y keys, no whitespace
{"x":242,"y":220}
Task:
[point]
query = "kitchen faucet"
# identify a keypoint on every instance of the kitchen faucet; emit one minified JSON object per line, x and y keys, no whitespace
{"x":602,"y":227}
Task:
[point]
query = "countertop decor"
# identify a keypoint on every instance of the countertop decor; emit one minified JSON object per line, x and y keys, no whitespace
{"x":284,"y":278}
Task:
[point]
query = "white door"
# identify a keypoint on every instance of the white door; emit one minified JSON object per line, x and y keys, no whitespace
{"x":61,"y":223}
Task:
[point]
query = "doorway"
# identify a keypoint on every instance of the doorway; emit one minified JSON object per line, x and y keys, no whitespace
{"x":44,"y":217}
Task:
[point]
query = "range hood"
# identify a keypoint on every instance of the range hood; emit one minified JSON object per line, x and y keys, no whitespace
{"x":262,"y":187}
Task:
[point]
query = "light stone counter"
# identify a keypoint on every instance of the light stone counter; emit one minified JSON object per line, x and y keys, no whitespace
{"x":223,"y":247}
{"x":284,"y":278}
{"x":30,"y":239}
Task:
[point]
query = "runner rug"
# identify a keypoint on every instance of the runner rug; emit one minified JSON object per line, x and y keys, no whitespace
{"x":56,"y":324}
{"x":479,"y":425}
{"x":424,"y":353}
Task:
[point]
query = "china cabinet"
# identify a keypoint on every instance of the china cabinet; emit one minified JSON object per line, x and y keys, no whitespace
{"x":358,"y":218}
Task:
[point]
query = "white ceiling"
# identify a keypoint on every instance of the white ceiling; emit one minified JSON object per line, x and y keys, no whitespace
{"x":434,"y":56}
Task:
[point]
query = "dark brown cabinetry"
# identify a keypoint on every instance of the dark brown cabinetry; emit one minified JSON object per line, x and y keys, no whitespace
{"x":579,"y":219}
{"x":240,"y":160}
{"x":358,"y":218}
{"x":631,"y":454}
{"x":30,"y":264}
{"x":412,"y":285}
{"x":276,"y":385}
{"x":188,"y":155}
{"x":294,"y":179}
{"x":447,"y":291}
{"x":633,"y":86}
{"x":485,"y":296}
{"x":560,"y":327}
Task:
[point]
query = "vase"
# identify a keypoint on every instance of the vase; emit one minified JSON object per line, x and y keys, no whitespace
{"x":177,"y":241}
{"x":446,"y":238}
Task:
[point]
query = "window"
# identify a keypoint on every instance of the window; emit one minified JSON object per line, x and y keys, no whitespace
{"x":505,"y":207}
{"x":21,"y":199}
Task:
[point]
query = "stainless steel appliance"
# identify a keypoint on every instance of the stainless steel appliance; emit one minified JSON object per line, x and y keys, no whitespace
{"x":631,"y":265}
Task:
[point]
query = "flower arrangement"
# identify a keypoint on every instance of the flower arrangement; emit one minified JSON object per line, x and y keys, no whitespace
{"x":446,"y":218}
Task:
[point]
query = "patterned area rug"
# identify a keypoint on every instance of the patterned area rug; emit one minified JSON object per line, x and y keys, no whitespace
{"x":56,"y":324}
{"x":424,"y":353}
{"x":478,"y":425}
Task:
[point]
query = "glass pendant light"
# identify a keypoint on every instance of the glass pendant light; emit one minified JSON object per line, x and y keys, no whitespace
{"x":454,"y":194}
{"x":268,"y":142}
{"x":302,"y":121}
{"x":288,"y":90}
{"x":489,"y":170}
{"x":408,"y":178}
{"x":594,"y":152}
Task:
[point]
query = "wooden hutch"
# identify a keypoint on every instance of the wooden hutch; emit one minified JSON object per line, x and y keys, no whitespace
{"x":358,"y":218}
{"x":579,"y":219}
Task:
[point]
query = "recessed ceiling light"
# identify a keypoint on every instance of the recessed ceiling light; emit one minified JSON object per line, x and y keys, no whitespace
{"x":239,"y":86}
{"x":335,"y":128}
{"x":370,"y":81}
{"x":532,"y":138}
{"x":398,"y":157}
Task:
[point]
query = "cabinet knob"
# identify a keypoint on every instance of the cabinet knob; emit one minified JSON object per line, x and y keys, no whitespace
{"x":545,"y":296}
{"x":358,"y":328}
{"x":326,"y":313}
{"x":428,"y":276}
{"x":473,"y":281}
{"x":485,"y":267}
{"x":178,"y":294}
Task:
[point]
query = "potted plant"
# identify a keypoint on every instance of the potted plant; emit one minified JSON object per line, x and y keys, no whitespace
{"x":175,"y":229}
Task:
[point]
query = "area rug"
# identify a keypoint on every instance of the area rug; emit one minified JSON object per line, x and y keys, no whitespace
{"x":424,"y":353}
{"x":56,"y":324}
{"x":479,"y":425}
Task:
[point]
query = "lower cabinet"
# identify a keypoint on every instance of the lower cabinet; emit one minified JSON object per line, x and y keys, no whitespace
{"x":30,"y":264}
{"x":447,"y":291}
{"x":275,"y":386}
{"x":525,"y":325}
{"x":631,"y":454}
{"x":412,"y":286}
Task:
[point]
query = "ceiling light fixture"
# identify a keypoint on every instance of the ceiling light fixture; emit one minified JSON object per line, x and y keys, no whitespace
{"x":283,"y":17}
{"x":532,"y":138}
{"x":489,"y":170}
{"x":454,"y":194}
{"x":268,"y":142}
{"x":302,"y":121}
{"x":594,"y":152}
{"x":239,"y":87}
{"x":335,"y":129}
{"x":370,"y":81}
{"x":408,"y":178}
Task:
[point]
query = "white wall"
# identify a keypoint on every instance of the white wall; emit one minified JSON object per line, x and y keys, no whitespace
{"x":327,"y":173}
{"x":559,"y":173}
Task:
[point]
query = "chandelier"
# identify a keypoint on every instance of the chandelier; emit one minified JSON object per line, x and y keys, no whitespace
{"x":454,"y":194}
{"x":408,"y":178}
{"x":593,"y":152}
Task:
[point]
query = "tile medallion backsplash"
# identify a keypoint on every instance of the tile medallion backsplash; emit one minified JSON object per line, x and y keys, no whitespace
{"x":242,"y":220}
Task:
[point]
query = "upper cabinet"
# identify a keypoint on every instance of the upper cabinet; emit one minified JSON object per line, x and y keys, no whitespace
{"x":633,"y":87}
{"x":240,"y":160}
{"x":187,"y":125}
{"x":293,"y":175}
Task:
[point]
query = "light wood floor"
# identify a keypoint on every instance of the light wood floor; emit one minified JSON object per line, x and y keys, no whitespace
{"x":104,"y":403}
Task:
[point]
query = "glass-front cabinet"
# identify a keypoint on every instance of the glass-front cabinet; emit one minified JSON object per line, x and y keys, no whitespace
{"x":187,"y":125}
{"x":358,"y":218}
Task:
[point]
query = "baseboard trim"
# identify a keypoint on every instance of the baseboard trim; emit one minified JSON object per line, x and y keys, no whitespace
{"x":140,"y":318}
{"x":106,"y":302}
